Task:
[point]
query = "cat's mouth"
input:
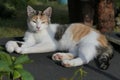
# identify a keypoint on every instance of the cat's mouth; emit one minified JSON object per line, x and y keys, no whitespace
{"x":38,"y":28}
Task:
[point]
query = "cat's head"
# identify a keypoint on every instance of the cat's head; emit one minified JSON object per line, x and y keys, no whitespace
{"x":38,"y":20}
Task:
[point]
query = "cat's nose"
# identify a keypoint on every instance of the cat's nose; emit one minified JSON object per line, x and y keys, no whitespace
{"x":38,"y":27}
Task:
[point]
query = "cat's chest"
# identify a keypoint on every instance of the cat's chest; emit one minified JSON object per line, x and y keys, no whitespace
{"x":37,"y":37}
{"x":40,"y":37}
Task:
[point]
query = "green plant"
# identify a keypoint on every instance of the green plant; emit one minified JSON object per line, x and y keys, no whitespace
{"x":79,"y":74}
{"x":117,"y":3}
{"x":12,"y":67}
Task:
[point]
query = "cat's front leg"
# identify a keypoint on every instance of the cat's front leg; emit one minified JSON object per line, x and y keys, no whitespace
{"x":39,"y":48}
{"x":24,"y":46}
{"x":21,"y":50}
{"x":18,"y":50}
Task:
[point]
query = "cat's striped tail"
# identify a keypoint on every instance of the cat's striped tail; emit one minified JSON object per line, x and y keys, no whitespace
{"x":104,"y":57}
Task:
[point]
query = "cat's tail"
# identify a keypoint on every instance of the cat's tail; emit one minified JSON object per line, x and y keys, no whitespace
{"x":104,"y":57}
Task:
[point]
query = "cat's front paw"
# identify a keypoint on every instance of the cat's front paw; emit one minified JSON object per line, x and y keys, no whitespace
{"x":10,"y":46}
{"x":10,"y":49}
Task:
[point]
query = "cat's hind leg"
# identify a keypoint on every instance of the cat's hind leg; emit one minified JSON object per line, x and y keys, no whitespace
{"x":65,"y":56}
{"x":86,"y":54}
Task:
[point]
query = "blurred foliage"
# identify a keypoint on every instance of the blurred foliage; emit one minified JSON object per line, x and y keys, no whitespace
{"x":8,"y":7}
{"x":117,"y":3}
{"x":6,"y":10}
{"x":12,"y":67}
{"x":15,"y":25}
{"x":78,"y":75}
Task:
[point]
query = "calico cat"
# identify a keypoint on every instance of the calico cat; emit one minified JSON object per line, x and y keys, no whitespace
{"x":82,"y":42}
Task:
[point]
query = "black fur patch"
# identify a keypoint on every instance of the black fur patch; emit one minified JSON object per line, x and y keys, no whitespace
{"x":37,"y":12}
{"x":19,"y":44}
{"x":60,"y":31}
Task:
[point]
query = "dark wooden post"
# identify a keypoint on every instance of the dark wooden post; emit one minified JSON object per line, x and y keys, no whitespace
{"x":81,"y":11}
{"x":106,"y":16}
{"x":74,"y":12}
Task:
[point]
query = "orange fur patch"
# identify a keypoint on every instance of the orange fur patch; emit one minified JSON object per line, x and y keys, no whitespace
{"x":102,"y":39}
{"x":34,"y":18}
{"x":79,"y":31}
{"x":43,"y":18}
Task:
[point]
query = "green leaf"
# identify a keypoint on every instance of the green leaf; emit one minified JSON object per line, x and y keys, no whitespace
{"x":1,"y":75}
{"x":13,"y":58}
{"x":4,"y":67}
{"x":82,"y":72}
{"x":22,"y":59}
{"x":18,"y":66}
{"x":25,"y":75}
{"x":16,"y":74}
{"x":6,"y":57}
{"x":6,"y":74}
{"x":1,"y":48}
{"x":79,"y":72}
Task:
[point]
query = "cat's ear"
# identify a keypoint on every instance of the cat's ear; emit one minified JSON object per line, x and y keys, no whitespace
{"x":30,"y":11}
{"x":48,"y":11}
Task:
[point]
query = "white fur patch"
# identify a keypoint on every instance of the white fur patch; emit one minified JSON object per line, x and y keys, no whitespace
{"x":11,"y":46}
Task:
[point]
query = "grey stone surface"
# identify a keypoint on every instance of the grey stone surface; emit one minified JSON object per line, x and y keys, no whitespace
{"x":44,"y":68}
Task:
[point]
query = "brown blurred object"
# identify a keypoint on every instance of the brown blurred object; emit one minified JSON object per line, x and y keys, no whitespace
{"x":106,"y":16}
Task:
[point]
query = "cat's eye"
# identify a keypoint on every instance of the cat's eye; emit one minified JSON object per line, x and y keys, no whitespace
{"x":34,"y":21}
{"x":43,"y":22}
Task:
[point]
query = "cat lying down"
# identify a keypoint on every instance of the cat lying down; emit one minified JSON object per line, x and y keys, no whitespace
{"x":82,"y":42}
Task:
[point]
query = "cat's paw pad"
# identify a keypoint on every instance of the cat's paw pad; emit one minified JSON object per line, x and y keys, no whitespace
{"x":62,"y":56}
{"x":67,"y":63}
{"x":57,"y":56}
